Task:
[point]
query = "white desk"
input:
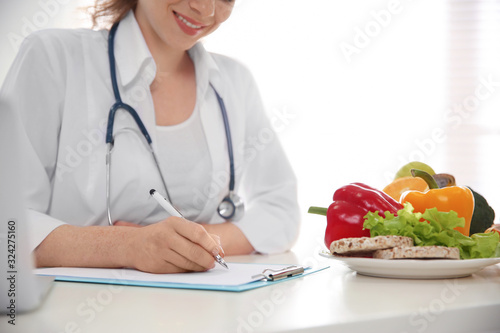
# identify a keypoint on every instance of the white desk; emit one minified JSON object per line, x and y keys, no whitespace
{"x":333,"y":300}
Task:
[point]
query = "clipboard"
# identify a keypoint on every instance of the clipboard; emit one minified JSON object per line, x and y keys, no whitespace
{"x":239,"y":277}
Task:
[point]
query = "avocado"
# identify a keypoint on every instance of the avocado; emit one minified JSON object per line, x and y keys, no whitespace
{"x":483,"y":215}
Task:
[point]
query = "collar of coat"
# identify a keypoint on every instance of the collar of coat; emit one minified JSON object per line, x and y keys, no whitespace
{"x":134,"y":60}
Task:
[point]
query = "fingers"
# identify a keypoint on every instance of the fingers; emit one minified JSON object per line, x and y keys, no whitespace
{"x":191,"y":256}
{"x":216,"y":238}
{"x":198,"y":235}
{"x":164,"y":267}
{"x":175,"y":245}
{"x":164,"y":251}
{"x":184,"y":263}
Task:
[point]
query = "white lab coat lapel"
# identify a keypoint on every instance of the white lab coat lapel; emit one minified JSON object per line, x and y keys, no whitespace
{"x":207,"y":72}
{"x":216,"y":139}
{"x":136,"y":71}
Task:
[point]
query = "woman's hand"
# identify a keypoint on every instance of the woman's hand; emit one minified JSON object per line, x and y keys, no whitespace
{"x":173,"y":245}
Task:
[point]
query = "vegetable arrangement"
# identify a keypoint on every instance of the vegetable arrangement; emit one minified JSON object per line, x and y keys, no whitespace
{"x":440,"y":230}
{"x":441,"y":215}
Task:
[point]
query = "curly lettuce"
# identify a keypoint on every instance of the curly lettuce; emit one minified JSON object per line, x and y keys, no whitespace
{"x":437,"y":229}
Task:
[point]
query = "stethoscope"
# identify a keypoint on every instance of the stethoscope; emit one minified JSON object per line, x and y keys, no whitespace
{"x":230,"y":208}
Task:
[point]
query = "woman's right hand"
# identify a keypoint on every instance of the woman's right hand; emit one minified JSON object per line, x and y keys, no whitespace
{"x":173,"y":245}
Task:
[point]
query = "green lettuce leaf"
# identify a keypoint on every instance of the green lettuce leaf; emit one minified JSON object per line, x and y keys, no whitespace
{"x":433,"y":228}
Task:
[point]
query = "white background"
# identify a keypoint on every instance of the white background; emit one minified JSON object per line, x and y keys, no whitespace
{"x":351,"y":118}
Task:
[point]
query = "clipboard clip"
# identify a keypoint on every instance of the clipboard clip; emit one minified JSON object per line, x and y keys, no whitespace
{"x":278,"y":274}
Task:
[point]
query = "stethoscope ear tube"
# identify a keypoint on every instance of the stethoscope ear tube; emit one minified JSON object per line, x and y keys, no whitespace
{"x":228,"y":139}
{"x":119,"y":104}
{"x":133,"y":113}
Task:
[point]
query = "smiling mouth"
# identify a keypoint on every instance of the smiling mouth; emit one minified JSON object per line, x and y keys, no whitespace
{"x":186,"y":22}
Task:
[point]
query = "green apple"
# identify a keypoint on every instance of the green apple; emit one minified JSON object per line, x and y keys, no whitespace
{"x":404,"y":171}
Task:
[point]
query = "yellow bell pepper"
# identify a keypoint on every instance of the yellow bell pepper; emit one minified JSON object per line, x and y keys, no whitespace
{"x":457,"y":198}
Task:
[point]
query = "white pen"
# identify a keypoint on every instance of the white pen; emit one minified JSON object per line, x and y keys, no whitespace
{"x":174,"y":212}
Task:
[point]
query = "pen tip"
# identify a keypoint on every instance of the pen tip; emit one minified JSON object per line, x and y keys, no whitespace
{"x":221,"y":261}
{"x":152,"y":191}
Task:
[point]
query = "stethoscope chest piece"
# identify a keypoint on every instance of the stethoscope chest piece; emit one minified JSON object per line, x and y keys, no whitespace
{"x":232,"y":207}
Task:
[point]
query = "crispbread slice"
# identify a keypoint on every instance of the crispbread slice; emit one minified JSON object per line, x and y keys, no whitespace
{"x":418,"y":252}
{"x":366,"y":245}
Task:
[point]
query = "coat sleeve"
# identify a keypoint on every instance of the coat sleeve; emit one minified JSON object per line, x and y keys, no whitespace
{"x":271,"y":221}
{"x":32,"y":93}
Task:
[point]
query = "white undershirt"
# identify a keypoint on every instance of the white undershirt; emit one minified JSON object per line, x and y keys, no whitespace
{"x":185,"y":163}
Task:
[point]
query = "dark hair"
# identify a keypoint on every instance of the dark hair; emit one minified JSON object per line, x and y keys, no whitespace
{"x":111,"y":11}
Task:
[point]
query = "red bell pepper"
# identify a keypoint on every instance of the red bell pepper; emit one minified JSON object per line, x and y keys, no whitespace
{"x":345,"y":216}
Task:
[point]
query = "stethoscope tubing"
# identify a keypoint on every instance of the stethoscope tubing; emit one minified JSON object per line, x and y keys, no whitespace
{"x":119,"y":104}
{"x":228,"y":137}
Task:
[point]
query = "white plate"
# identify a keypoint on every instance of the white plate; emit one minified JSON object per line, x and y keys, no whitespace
{"x":412,"y":268}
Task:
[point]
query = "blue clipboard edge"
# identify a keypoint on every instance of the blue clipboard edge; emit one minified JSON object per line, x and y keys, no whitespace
{"x":237,"y":288}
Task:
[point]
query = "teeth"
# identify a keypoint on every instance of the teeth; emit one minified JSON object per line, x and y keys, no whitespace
{"x":189,"y":24}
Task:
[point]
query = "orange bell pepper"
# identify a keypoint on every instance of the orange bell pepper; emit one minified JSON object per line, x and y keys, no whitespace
{"x":457,"y":198}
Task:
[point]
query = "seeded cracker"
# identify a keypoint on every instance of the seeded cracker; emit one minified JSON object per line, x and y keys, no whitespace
{"x":367,"y":245}
{"x":418,"y":252}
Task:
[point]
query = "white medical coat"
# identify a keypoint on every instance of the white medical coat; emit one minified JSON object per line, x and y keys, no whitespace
{"x":60,"y":87}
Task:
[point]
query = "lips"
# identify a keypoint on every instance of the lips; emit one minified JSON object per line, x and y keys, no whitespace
{"x":188,"y":25}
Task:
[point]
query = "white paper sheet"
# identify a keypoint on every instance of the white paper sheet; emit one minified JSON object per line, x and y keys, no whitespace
{"x":237,"y":274}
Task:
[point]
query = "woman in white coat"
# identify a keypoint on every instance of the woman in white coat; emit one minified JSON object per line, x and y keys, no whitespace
{"x":60,"y":87}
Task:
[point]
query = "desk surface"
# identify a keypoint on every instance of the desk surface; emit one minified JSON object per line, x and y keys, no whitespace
{"x":333,"y":300}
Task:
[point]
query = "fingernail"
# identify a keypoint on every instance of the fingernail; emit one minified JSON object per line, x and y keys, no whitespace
{"x":218,"y":251}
